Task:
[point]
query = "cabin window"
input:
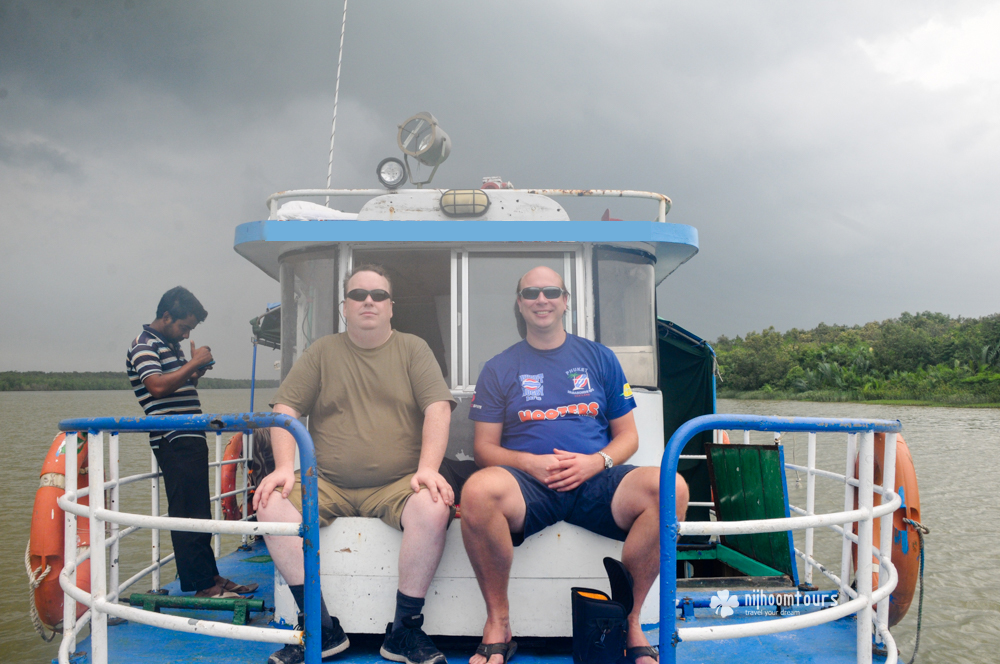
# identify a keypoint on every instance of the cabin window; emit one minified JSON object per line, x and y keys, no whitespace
{"x":308,"y":301}
{"x":421,"y":294}
{"x":491,"y":280}
{"x":460,"y":302}
{"x":625,"y":322}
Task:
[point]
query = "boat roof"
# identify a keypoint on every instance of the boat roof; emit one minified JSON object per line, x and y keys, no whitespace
{"x":415,"y":216}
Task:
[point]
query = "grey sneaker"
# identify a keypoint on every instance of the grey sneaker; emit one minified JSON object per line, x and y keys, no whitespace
{"x":410,"y":644}
{"x":334,"y":641}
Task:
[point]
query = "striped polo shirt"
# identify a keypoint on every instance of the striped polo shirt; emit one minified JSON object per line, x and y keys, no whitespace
{"x":148,"y":355}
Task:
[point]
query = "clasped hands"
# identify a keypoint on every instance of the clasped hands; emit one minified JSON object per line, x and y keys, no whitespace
{"x":565,"y":471}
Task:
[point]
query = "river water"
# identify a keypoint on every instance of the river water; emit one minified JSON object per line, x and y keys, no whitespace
{"x":956,"y":453}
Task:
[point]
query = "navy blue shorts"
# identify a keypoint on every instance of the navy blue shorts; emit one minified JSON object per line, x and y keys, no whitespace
{"x":587,"y":506}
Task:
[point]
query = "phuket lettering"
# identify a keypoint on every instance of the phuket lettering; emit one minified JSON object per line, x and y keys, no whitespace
{"x":589,"y":410}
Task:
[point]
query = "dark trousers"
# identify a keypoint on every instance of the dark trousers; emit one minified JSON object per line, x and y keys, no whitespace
{"x":184,"y":464}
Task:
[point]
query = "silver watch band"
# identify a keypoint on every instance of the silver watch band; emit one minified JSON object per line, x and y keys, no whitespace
{"x":608,"y":461}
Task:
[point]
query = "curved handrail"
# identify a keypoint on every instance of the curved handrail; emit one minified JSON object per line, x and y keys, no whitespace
{"x":308,"y":530}
{"x":669,"y":525}
{"x":664,"y":203}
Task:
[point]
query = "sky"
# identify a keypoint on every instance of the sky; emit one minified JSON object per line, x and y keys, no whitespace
{"x":835,"y":157}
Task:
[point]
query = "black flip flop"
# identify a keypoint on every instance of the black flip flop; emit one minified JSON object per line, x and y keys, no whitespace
{"x":487,"y":650}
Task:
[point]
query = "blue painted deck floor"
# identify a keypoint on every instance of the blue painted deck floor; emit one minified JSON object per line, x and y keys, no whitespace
{"x":132,"y":643}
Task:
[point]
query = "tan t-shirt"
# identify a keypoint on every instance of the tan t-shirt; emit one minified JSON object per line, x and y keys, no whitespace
{"x":365,"y":406}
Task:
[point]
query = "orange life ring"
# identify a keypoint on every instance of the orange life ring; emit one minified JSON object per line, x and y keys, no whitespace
{"x":905,"y":542}
{"x":46,"y":546}
{"x":231,"y":508}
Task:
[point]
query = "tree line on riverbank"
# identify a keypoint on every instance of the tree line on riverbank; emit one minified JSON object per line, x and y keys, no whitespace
{"x":925,"y":357}
{"x":38,"y":381}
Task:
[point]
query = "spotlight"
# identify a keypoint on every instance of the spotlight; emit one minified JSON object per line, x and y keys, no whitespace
{"x":391,"y":173}
{"x":423,"y":139}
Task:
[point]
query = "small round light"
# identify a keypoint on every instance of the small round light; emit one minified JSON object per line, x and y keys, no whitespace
{"x":391,"y":173}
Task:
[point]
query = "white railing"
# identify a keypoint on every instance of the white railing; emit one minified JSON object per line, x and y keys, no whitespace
{"x":102,"y":600}
{"x":860,"y":601}
{"x":663,"y":202}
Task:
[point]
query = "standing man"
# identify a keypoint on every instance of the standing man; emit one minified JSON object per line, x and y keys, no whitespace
{"x":165,"y":384}
{"x":379,"y":412}
{"x":554,"y":422}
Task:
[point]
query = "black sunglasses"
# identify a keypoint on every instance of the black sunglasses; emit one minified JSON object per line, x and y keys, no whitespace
{"x":550,"y":292}
{"x":360,"y":295}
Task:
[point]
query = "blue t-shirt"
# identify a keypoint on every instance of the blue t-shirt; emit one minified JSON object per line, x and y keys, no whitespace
{"x":560,"y":398}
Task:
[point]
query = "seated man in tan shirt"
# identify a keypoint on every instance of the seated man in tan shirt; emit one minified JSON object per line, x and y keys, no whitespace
{"x":379,"y":416}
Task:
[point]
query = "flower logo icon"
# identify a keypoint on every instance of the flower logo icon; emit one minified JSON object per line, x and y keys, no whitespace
{"x":723,"y":604}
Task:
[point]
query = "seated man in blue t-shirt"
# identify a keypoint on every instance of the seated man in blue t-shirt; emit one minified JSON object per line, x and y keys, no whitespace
{"x":554,"y":420}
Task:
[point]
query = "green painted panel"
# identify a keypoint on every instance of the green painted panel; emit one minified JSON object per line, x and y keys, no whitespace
{"x":753,"y":498}
{"x":730,"y":500}
{"x":774,"y":508}
{"x":697,"y":554}
{"x":748,"y":484}
{"x":745,"y":564}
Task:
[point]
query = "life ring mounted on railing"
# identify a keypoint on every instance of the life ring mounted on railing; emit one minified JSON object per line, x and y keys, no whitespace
{"x":906,"y":544}
{"x":232,"y":510}
{"x":46,"y":548}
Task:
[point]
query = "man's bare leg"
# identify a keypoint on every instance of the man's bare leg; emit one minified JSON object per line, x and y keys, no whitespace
{"x":285,"y":551}
{"x":636,"y":508}
{"x":425,"y":527}
{"x":492,"y":508}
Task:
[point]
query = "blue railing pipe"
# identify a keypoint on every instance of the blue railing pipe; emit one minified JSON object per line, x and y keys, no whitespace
{"x":309,"y":530}
{"x":669,"y":526}
{"x":253,"y":372}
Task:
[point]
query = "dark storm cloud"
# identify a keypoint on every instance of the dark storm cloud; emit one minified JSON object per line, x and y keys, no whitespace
{"x":839,"y":160}
{"x":34,"y":152}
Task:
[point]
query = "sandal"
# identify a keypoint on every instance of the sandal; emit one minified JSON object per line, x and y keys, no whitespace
{"x":217,"y":592}
{"x":234,"y":587}
{"x":487,"y":650}
{"x":635,"y":652}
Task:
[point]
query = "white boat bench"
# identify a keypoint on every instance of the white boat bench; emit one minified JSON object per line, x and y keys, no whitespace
{"x":358,"y":575}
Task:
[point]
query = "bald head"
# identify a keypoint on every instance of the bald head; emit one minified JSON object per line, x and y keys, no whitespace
{"x":540,"y":274}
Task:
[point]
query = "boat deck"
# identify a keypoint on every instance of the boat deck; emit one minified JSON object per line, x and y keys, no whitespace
{"x":130,"y":642}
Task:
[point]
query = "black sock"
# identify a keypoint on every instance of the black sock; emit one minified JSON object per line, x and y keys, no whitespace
{"x":299,"y":593}
{"x":406,"y":607}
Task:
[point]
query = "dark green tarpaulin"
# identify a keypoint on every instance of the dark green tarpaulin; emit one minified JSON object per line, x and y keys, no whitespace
{"x":686,"y":367}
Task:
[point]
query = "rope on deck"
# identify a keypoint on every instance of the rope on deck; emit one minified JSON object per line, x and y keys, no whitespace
{"x":35,"y":578}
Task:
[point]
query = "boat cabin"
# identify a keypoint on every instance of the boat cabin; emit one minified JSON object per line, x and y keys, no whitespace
{"x":454,"y":258}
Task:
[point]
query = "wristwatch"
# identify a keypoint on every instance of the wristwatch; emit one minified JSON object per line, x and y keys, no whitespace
{"x":608,"y":461}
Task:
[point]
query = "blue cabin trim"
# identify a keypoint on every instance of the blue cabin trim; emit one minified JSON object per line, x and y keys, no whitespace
{"x":262,"y":242}
{"x":465,"y":231}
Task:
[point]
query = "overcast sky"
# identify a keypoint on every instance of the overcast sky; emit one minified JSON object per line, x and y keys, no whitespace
{"x":840,"y":160}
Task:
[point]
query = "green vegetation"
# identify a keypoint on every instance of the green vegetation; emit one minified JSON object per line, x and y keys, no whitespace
{"x":36,"y":381}
{"x":920,"y":358}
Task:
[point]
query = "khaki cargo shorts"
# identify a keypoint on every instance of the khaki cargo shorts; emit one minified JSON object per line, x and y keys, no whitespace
{"x":380,"y":502}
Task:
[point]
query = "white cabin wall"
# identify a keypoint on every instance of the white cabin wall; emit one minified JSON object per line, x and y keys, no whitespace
{"x":649,"y":422}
